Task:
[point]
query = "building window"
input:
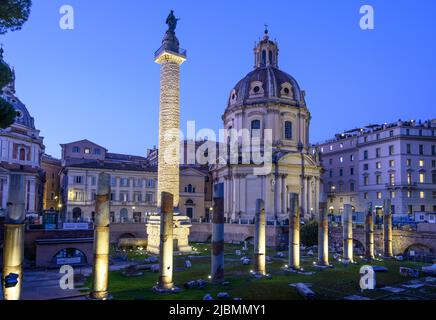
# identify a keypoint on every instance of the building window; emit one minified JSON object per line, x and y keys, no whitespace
{"x":407,"y":132}
{"x":78,"y":179}
{"x":378,"y":179}
{"x":377,"y":136}
{"x":433,"y":178}
{"x":341,"y":172}
{"x":351,"y":171}
{"x":365,"y":166}
{"x":378,"y":165}
{"x":149,"y":197}
{"x":409,"y":194}
{"x":391,"y":133}
{"x":76,"y":150}
{"x":391,"y":150}
{"x":93,"y":181}
{"x":434,"y":194}
{"x":331,"y":148}
{"x":255,"y":128}
{"x":392,"y":194}
{"x":22,"y":154}
{"x":190,"y":189}
{"x":113,"y":181}
{"x":87,"y":150}
{"x":365,"y":180}
{"x":341,"y":145}
{"x":392,"y":179}
{"x":409,"y":179}
{"x":331,"y":173}
{"x":421,"y":178}
{"x":365,"y":195}
{"x":433,"y":150}
{"x":422,"y":195}
{"x":124,"y":197}
{"x":352,"y":186}
{"x":391,"y":163}
{"x":288,"y":130}
{"x":377,"y":152}
{"x":409,"y":162}
{"x":409,"y":148}
{"x":124,"y":182}
{"x":341,"y":159}
{"x":421,"y":149}
{"x":97,"y":151}
{"x":365,"y":155}
{"x":330,"y":161}
{"x":379,"y":195}
{"x":422,"y":208}
{"x":52,"y":196}
{"x":410,"y":209}
{"x":421,"y":163}
{"x":433,"y":163}
{"x":352,"y":157}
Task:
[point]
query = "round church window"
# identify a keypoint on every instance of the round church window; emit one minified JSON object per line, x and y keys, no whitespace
{"x":256,"y":89}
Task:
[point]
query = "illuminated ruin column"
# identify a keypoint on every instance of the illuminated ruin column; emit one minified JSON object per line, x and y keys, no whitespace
{"x":166,"y":244}
{"x":170,"y":57}
{"x":100,"y":268}
{"x":294,"y":232}
{"x":369,"y":233}
{"x":217,"y":265}
{"x":387,"y":224}
{"x":323,"y":235}
{"x":347,"y":227}
{"x":13,"y":249}
{"x":260,"y":238}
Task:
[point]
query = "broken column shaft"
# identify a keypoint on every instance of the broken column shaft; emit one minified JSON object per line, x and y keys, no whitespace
{"x":13,"y":249}
{"x":260,"y":238}
{"x":369,"y":233}
{"x":387,"y":224}
{"x":323,"y":235}
{"x":217,"y":265}
{"x":347,"y":227}
{"x":166,"y":242}
{"x":294,"y":232}
{"x":101,"y":239}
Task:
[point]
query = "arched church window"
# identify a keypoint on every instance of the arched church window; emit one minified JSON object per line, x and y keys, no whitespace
{"x":270,"y":57}
{"x":255,"y":128}
{"x":263,"y":57}
{"x":256,"y":89}
{"x":288,"y":130}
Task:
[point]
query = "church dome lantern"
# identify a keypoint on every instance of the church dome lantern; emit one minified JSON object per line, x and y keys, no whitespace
{"x":266,"y":83}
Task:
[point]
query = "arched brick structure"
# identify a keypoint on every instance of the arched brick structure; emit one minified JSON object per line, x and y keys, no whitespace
{"x":401,"y":239}
{"x":46,"y":249}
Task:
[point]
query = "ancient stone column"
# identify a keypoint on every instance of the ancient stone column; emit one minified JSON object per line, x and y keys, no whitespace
{"x":323,"y":235}
{"x":294,"y":232}
{"x":347,"y":227}
{"x":170,"y":57}
{"x":260,"y":238}
{"x":13,"y":249}
{"x":217,"y":265}
{"x":100,"y":268}
{"x":166,"y":243}
{"x":387,"y":224}
{"x":369,"y":233}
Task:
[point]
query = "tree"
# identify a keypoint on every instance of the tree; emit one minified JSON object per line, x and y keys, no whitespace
{"x":13,"y":14}
{"x":309,"y":233}
{"x":7,"y":114}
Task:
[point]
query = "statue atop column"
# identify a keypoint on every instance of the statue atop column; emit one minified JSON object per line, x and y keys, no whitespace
{"x":172,"y":21}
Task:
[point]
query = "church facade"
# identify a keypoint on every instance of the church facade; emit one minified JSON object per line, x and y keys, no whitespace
{"x":21,"y":149}
{"x":268,"y":98}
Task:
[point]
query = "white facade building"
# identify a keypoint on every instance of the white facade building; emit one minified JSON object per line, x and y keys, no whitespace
{"x":394,"y":161}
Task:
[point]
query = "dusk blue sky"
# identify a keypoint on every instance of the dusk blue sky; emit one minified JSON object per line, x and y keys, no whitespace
{"x":100,"y":82}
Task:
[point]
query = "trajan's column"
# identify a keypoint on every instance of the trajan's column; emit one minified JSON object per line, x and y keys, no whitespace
{"x":170,"y":57}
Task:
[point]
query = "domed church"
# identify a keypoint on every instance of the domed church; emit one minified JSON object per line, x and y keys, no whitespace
{"x":21,"y":148}
{"x":269,"y":98}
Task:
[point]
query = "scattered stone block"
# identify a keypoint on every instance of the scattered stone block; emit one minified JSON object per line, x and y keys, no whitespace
{"x":409,"y":272}
{"x":223,"y":295}
{"x":154,"y":268}
{"x":380,"y":269}
{"x":399,"y":258}
{"x":429,"y":269}
{"x":393,"y":289}
{"x":201,"y":283}
{"x":280,"y":254}
{"x":310,"y":253}
{"x":238,"y":252}
{"x":207,"y":297}
{"x":188,"y":264}
{"x":304,"y":290}
{"x":246,"y":262}
{"x":356,"y":297}
{"x":190,"y":284}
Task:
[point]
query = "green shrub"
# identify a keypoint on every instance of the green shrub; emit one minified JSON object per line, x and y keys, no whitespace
{"x":309,"y":233}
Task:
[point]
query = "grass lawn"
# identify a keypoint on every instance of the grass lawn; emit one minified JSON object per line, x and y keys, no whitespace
{"x":329,"y":283}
